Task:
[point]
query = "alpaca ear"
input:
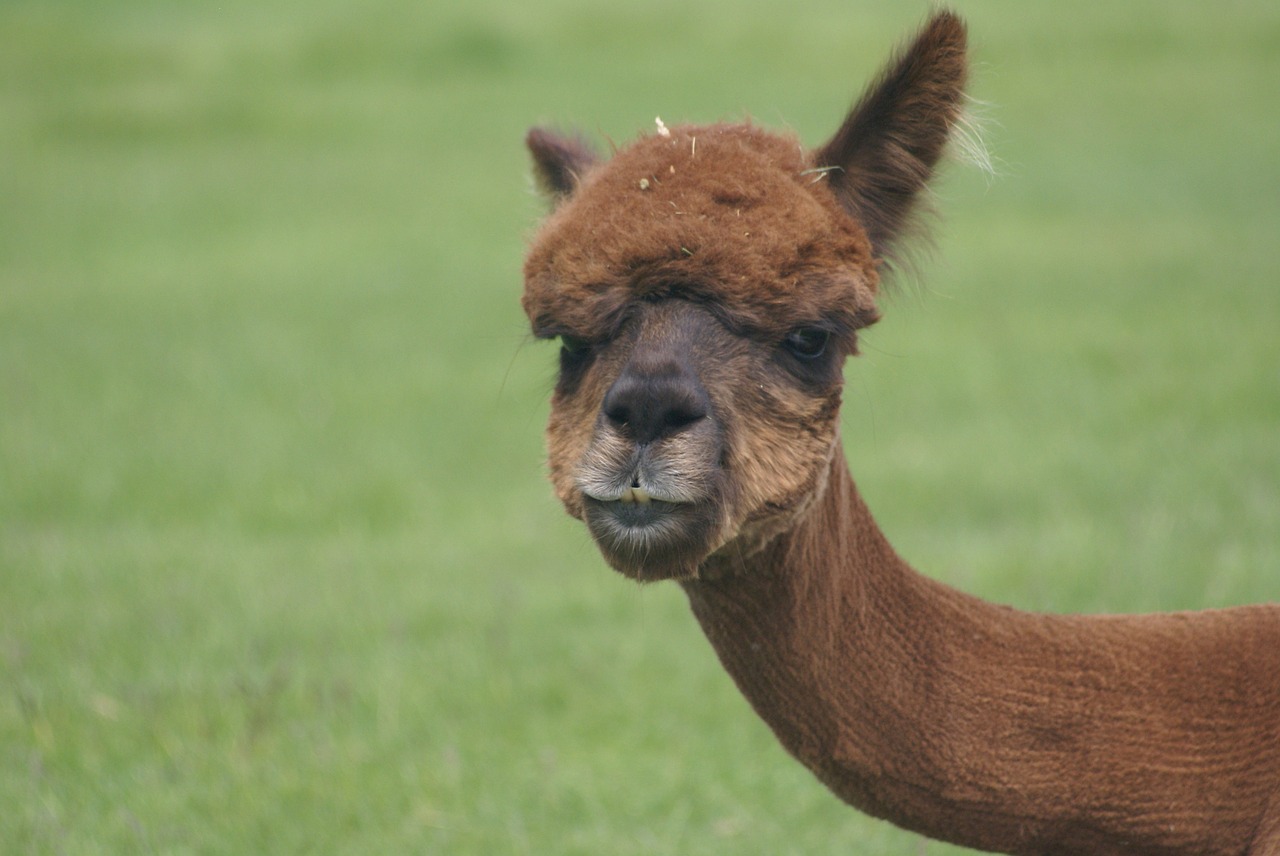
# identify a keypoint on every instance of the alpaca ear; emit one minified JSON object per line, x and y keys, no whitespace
{"x":885,"y":152}
{"x":559,"y":163}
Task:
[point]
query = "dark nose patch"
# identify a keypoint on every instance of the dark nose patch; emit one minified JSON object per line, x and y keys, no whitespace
{"x":653,"y":400}
{"x":659,"y":391}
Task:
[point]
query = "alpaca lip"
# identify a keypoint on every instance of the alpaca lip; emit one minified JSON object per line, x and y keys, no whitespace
{"x":632,"y":495}
{"x":637,"y":509}
{"x":640,"y":496}
{"x":652,"y":540}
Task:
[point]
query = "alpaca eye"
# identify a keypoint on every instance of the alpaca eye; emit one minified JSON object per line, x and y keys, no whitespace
{"x":574,"y":346}
{"x":807,"y":343}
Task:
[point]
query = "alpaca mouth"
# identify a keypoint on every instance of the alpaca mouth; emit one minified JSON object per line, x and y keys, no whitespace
{"x":639,"y":511}
{"x":654,"y":509}
{"x":647,"y":538}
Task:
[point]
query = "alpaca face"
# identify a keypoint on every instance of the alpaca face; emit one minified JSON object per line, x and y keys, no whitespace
{"x":706,"y":284}
{"x":658,"y":444}
{"x":704,"y":318}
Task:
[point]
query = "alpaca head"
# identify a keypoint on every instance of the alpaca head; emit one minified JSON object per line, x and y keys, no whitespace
{"x":706,"y":284}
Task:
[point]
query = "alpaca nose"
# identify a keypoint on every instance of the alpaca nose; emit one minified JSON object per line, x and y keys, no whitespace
{"x":647,"y":405}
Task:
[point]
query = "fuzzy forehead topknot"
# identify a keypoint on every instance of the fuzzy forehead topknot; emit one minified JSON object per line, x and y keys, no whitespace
{"x":727,"y":213}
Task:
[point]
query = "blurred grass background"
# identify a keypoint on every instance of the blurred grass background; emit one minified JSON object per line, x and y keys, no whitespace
{"x":279,"y":570}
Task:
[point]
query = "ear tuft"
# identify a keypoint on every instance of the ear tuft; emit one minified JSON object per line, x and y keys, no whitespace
{"x":887,"y":148}
{"x":559,"y":162}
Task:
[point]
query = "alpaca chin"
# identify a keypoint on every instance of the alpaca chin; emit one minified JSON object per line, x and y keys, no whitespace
{"x":654,"y":540}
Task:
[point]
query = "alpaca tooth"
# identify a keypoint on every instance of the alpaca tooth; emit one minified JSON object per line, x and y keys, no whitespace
{"x":636,"y":495}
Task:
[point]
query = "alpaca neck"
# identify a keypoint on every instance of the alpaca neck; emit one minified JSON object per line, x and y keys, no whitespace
{"x":976,"y":723}
{"x":828,"y":633}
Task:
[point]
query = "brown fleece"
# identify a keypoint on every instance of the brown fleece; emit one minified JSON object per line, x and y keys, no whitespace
{"x":998,"y":729}
{"x":707,"y":264}
{"x":715,"y":211}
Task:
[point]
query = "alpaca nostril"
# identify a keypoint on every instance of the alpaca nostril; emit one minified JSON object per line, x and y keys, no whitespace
{"x":678,"y":417}
{"x":617,"y":412}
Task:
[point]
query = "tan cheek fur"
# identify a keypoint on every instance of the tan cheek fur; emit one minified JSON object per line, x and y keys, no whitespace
{"x":781,"y":443}
{"x":570,"y":429}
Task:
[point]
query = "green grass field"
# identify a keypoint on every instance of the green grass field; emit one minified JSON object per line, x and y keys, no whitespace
{"x":279,"y":568}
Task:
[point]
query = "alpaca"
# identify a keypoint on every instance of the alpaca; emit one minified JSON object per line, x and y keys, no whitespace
{"x":706,"y":284}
